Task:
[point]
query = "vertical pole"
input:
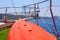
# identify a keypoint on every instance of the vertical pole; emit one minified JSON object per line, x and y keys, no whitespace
{"x":24,"y":10}
{"x":5,"y":11}
{"x":29,"y":12}
{"x":34,"y":9}
{"x":5,"y":17}
{"x":53,"y":19}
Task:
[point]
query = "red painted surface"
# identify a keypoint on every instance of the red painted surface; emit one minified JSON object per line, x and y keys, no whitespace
{"x":24,"y":30}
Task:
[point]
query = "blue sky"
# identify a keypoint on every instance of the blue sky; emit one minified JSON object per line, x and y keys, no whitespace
{"x":19,"y":3}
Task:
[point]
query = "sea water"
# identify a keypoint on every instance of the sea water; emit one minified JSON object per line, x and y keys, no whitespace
{"x":47,"y":24}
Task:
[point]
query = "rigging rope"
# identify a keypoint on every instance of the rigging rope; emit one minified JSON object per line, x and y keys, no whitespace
{"x":37,"y":3}
{"x":49,"y":6}
{"x":44,"y":21}
{"x":46,"y":12}
{"x":46,"y":25}
{"x":14,"y":6}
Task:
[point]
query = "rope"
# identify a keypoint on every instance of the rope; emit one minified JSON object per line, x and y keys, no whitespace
{"x":44,"y":21}
{"x":46,"y":12}
{"x":37,"y":3}
{"x":31,"y":7}
{"x":49,"y":6}
{"x":46,"y":25}
{"x":14,"y":6}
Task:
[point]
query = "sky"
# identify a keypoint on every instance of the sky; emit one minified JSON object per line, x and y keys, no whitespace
{"x":44,"y":10}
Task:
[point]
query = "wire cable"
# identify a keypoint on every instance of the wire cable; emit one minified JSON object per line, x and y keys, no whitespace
{"x":37,"y":3}
{"x":13,"y":6}
{"x":46,"y":12}
{"x":46,"y":25}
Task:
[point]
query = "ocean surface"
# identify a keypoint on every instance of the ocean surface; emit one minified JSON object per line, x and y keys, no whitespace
{"x":47,"y":24}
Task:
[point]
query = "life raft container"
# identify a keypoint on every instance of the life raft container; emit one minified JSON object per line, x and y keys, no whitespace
{"x":24,"y":30}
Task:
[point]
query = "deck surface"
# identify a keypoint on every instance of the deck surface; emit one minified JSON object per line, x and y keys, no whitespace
{"x":5,"y":25}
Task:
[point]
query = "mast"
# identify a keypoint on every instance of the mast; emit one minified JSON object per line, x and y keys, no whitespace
{"x":53,"y":19}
